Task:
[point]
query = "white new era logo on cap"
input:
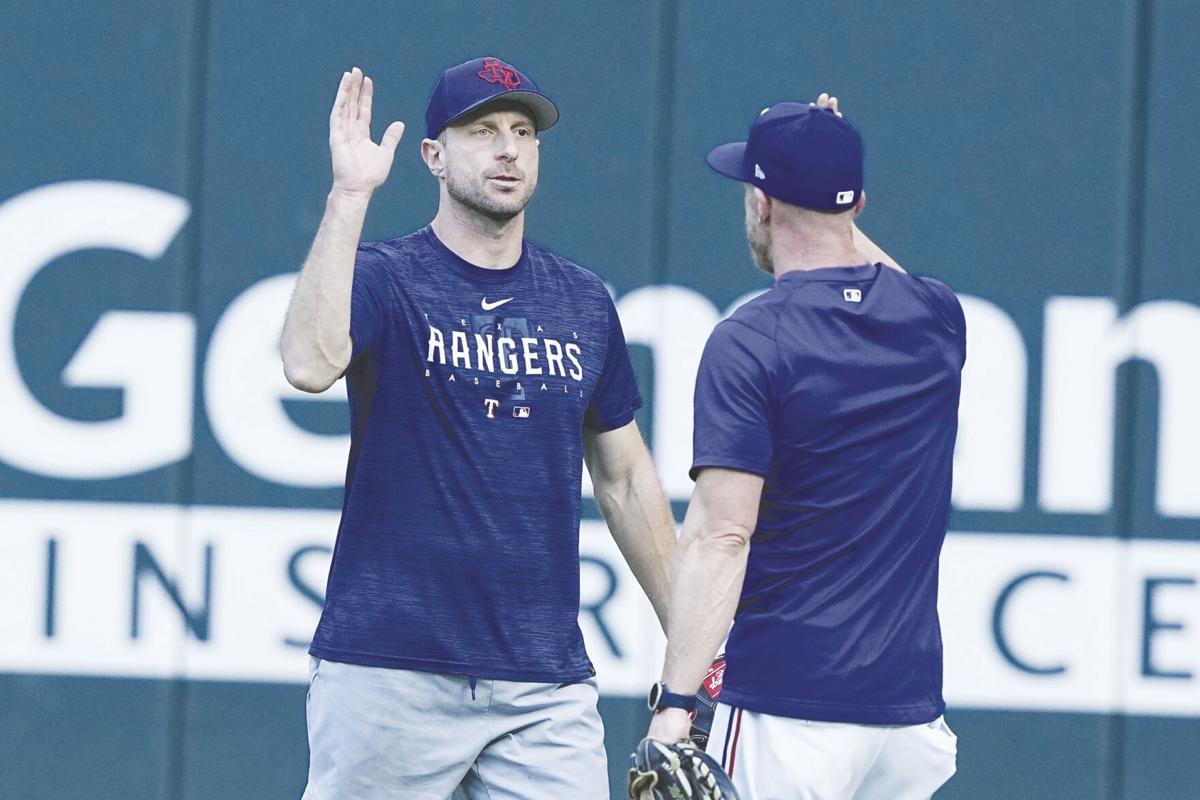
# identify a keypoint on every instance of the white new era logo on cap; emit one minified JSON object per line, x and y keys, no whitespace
{"x":845,"y":197}
{"x":758,"y":173}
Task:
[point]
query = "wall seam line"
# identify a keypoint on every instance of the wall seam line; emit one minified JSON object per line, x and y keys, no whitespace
{"x":1128,"y":290}
{"x":664,"y":135}
{"x":194,"y":174}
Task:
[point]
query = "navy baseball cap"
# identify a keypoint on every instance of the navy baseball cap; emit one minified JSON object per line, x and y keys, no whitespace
{"x":800,"y":154}
{"x":462,"y":89}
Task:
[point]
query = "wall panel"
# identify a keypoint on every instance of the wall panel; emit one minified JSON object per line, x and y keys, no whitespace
{"x":90,"y":93}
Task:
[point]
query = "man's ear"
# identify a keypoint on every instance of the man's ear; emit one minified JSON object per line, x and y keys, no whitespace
{"x":762,"y":201}
{"x":861,"y":204}
{"x":435,"y":157}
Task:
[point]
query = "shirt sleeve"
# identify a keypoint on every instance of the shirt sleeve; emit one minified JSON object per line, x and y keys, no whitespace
{"x":616,"y":395}
{"x":366,"y":306}
{"x":960,"y":321}
{"x":951,"y":310}
{"x":732,"y":404}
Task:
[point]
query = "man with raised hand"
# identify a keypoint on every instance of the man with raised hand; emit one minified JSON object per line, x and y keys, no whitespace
{"x":825,"y":418}
{"x":482,"y":370}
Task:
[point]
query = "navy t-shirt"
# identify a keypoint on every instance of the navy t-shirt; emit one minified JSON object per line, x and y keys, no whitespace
{"x":458,"y":549}
{"x":840,"y":387}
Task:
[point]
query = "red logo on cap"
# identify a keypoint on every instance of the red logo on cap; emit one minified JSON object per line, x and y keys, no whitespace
{"x":496,"y":71}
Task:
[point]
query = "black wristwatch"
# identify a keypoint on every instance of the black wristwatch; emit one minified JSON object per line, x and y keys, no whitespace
{"x":661,"y":698}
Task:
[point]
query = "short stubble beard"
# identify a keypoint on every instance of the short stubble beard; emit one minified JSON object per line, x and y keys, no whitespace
{"x":759,"y":239}
{"x":475,"y":197}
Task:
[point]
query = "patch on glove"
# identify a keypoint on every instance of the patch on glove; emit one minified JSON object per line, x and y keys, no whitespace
{"x":706,"y":701}
{"x":715,"y":678}
{"x":680,"y":771}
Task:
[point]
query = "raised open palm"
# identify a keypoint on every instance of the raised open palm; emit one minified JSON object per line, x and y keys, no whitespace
{"x":359,"y":165}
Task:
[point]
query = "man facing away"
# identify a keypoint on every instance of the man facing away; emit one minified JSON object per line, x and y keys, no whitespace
{"x":480,"y":368}
{"x":825,"y":419}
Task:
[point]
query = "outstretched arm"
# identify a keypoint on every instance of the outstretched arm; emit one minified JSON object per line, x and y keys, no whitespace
{"x":871,"y":251}
{"x":874,"y":253}
{"x":706,"y":582}
{"x":634,"y":506}
{"x":316,"y":345}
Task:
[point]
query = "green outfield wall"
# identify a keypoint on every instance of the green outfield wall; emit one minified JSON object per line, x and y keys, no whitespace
{"x":168,"y":503}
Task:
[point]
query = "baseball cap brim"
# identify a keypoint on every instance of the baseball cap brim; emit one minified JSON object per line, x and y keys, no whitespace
{"x":545,"y":113}
{"x":730,"y":160}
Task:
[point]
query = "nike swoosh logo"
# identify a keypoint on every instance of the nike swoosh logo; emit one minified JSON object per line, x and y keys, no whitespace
{"x":489,"y":306}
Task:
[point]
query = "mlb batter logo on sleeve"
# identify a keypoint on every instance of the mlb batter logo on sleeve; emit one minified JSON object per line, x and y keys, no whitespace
{"x":521,"y":412}
{"x":852,"y":295}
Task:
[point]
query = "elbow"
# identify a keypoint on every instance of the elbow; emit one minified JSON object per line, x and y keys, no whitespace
{"x":728,"y":537}
{"x":734,"y":539}
{"x":308,"y":368}
{"x":616,"y":483}
{"x":306,"y":379}
{"x":610,"y":495}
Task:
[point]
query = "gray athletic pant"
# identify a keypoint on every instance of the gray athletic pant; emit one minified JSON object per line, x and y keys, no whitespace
{"x":393,"y":734}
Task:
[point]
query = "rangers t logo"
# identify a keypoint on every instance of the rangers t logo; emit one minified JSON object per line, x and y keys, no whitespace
{"x":496,"y":71}
{"x":491,"y":407}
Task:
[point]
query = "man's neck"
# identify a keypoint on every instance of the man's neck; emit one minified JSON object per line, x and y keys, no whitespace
{"x":477,"y":239}
{"x":794,"y":250}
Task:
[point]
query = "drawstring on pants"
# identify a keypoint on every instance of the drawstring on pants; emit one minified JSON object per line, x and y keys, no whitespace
{"x":471,"y":682}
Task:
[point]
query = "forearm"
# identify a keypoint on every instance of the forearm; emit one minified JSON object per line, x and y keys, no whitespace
{"x":316,"y":345}
{"x":872,"y":251}
{"x":639,"y":518}
{"x":706,"y":583}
